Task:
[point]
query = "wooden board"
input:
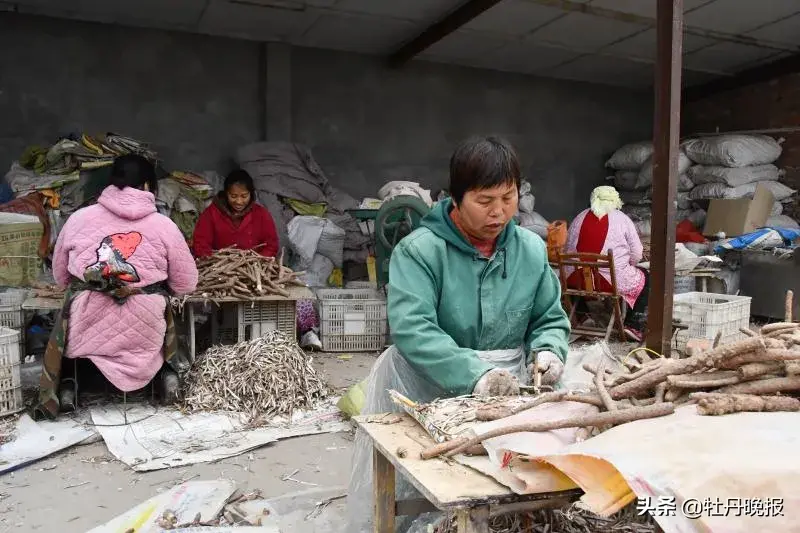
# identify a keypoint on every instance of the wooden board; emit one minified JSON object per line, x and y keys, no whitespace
{"x":36,"y":304}
{"x":295,"y":293}
{"x":447,"y":485}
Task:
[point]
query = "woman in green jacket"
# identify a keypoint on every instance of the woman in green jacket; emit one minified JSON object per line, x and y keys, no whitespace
{"x":472,"y":303}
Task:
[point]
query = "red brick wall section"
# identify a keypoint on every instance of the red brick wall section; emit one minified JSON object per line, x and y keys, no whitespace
{"x":772,"y":104}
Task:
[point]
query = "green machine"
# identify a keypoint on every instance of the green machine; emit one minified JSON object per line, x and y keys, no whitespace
{"x":395,"y":219}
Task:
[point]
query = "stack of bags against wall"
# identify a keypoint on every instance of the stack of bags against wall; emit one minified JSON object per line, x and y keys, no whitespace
{"x":732,"y":166}
{"x":290,"y":183}
{"x":633,"y":178}
{"x":318,"y":248}
{"x":526,"y":216}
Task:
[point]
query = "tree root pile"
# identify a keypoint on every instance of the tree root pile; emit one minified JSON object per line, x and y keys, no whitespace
{"x":262,"y":378}
{"x":574,"y":519}
{"x":243,"y":274}
{"x":759,"y":373}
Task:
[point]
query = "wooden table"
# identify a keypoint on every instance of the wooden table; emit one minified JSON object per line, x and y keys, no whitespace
{"x":446,"y":486}
{"x":295,"y":293}
{"x":43,"y":304}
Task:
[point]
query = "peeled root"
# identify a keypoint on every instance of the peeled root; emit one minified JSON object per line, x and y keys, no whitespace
{"x":792,"y":367}
{"x":598,"y":420}
{"x":496,"y":412}
{"x":788,"y":305}
{"x":608,"y":403}
{"x":705,"y":380}
{"x":671,"y":367}
{"x":776,"y":327}
{"x":754,"y":370}
{"x":764,"y":386}
{"x":713,"y":404}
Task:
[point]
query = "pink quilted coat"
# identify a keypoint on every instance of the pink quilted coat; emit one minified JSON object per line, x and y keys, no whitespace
{"x":623,"y":240}
{"x":124,"y":234}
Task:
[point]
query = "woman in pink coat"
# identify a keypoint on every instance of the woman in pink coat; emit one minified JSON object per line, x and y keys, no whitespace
{"x":604,"y":227}
{"x":120,"y":261}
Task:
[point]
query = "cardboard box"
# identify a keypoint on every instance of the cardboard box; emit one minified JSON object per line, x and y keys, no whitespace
{"x":741,"y":216}
{"x":20,"y":235}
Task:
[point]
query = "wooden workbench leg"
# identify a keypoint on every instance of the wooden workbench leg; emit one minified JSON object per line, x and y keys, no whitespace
{"x":383,"y":493}
{"x":475,"y":520}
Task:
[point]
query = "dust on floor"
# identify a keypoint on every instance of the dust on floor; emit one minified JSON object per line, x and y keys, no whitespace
{"x":83,"y":487}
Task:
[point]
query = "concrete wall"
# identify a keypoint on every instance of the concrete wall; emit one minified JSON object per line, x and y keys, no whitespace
{"x":766,"y":105}
{"x":197,"y":98}
{"x":366,"y":123}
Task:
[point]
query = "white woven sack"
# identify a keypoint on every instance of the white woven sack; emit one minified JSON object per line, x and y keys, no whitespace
{"x":782,"y":221}
{"x":710,"y":191}
{"x":646,"y":172}
{"x":777,"y":209}
{"x":631,"y":156}
{"x":626,"y":180}
{"x":635,"y":197}
{"x":733,"y":150}
{"x":733,"y":177}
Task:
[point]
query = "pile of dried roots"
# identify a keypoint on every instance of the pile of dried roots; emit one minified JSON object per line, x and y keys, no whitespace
{"x":264,"y":377}
{"x":759,"y":373}
{"x":574,"y":519}
{"x":243,"y":274}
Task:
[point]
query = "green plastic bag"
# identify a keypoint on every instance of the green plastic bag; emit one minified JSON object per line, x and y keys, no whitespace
{"x":352,"y":402}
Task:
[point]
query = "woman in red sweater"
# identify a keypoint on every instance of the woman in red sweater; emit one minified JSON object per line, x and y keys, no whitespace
{"x":234,"y":219}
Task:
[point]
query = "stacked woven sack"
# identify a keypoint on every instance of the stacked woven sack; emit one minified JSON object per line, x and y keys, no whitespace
{"x":732,"y":166}
{"x":633,"y":178}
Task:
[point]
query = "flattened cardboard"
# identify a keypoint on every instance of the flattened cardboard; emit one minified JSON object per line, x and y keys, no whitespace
{"x":740,"y":216}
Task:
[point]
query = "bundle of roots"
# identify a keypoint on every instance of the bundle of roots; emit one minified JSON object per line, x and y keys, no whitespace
{"x":243,"y":274}
{"x":759,"y":373}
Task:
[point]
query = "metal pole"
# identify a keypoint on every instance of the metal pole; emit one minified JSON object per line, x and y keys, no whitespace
{"x":666,"y":136}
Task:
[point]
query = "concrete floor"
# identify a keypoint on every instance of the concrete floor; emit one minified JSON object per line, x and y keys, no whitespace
{"x":83,"y":487}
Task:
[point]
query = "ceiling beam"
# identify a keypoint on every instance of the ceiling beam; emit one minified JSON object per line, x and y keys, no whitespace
{"x":588,"y":9}
{"x":441,"y":29}
{"x":759,"y":74}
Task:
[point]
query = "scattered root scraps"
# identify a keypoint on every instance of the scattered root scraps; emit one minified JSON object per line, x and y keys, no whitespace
{"x":264,"y":377}
{"x":574,"y":519}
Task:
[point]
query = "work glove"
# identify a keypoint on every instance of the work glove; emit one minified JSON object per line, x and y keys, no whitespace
{"x":548,"y":365}
{"x":497,"y":382}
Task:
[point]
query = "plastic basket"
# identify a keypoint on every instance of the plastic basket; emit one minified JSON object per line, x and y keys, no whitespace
{"x":10,"y":379}
{"x":361,"y":285}
{"x":702,"y":315}
{"x":13,"y":298}
{"x":352,"y":320}
{"x":257,"y":318}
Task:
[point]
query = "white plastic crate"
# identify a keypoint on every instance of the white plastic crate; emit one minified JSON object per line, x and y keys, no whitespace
{"x":10,"y":379}
{"x":702,"y":315}
{"x":12,"y":297}
{"x":257,"y":318}
{"x":352,"y":320}
{"x":361,"y":285}
{"x":11,"y":317}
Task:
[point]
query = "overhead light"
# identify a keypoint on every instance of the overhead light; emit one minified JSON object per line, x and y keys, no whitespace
{"x":288,"y":5}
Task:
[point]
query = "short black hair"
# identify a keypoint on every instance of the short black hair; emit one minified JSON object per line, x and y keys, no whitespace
{"x":133,"y":170}
{"x":482,"y":163}
{"x":240,"y":177}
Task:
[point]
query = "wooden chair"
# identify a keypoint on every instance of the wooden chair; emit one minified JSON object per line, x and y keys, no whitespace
{"x":589,"y":266}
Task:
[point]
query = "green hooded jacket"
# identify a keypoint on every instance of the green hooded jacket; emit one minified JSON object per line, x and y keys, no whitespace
{"x":446,"y":302}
